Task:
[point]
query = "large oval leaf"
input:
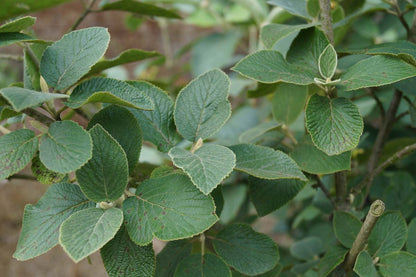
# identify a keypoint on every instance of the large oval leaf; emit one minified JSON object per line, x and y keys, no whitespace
{"x":346,"y":227}
{"x":398,"y":264}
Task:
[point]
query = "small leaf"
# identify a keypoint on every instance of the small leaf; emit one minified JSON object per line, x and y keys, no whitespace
{"x":16,"y":150}
{"x":105,"y":176}
{"x":21,"y":98}
{"x":264,"y":162}
{"x":245,"y":250}
{"x":6,"y":112}
{"x":270,"y":34}
{"x":10,"y":38}
{"x":139,"y":8}
{"x":307,"y":249}
{"x":108,"y":90}
{"x":251,"y":135}
{"x":43,"y":174}
{"x":67,"y":60}
{"x":346,"y":227}
{"x":270,"y":195}
{"x":171,"y":255}
{"x":401,"y":264}
{"x":332,"y":258}
{"x":411,"y":239}
{"x":364,"y":266}
{"x":121,"y":124}
{"x":167,"y":208}
{"x":41,"y":222}
{"x":66,"y":147}
{"x":388,"y":235}
{"x":202,"y":107}
{"x":122,"y":257}
{"x":18,"y":25}
{"x":288,"y":102}
{"x":335,"y":125}
{"x":207,"y":265}
{"x":328,"y":62}
{"x":207,"y":167}
{"x":88,"y":230}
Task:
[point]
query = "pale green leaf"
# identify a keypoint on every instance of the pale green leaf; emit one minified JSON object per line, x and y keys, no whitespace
{"x":364,"y":266}
{"x":86,"y":231}
{"x":43,"y":174}
{"x":108,"y":90}
{"x":328,"y":62}
{"x":207,"y":265}
{"x":264,"y":162}
{"x":401,"y":264}
{"x":122,"y":257}
{"x":332,"y":258}
{"x":16,"y":150}
{"x":67,"y":60}
{"x":21,"y":98}
{"x":139,"y":8}
{"x":202,"y":107}
{"x":346,"y":227}
{"x":251,"y":135}
{"x":307,"y":249}
{"x":245,"y":250}
{"x":66,"y":147}
{"x":270,"y":34}
{"x":335,"y":125}
{"x":171,"y":255}
{"x":167,"y":208}
{"x":207,"y":167}
{"x":295,"y":7}
{"x":11,"y":8}
{"x":288,"y":102}
{"x":18,"y":25}
{"x":411,"y":239}
{"x":41,"y":222}
{"x":105,"y":176}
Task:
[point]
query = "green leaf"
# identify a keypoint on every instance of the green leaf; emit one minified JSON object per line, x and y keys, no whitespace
{"x":139,"y":8}
{"x":128,"y":56}
{"x":6,"y":112}
{"x":328,"y":62}
{"x":41,"y":222}
{"x":245,"y":250}
{"x":66,"y":147}
{"x":335,"y":125}
{"x":251,"y":135}
{"x":157,"y":125}
{"x":88,"y":230}
{"x":364,"y":266}
{"x":346,"y":227}
{"x":105,"y":176}
{"x":266,"y":163}
{"x":388,"y":235}
{"x":10,"y":38}
{"x":167,"y":208}
{"x":21,"y":98}
{"x":270,"y":195}
{"x":108,"y":90}
{"x":16,"y":150}
{"x":11,"y":8}
{"x":411,"y":239}
{"x":43,"y":174}
{"x":31,"y":75}
{"x":313,"y":8}
{"x":67,"y":60}
{"x":288,"y":102}
{"x":121,"y":124}
{"x":171,"y":255}
{"x":262,"y":90}
{"x":202,"y":107}
{"x":18,"y":25}
{"x":270,"y":34}
{"x":332,"y":258}
{"x":307,"y":249}
{"x":207,"y":167}
{"x":207,"y":265}
{"x":295,"y":7}
{"x":233,"y":198}
{"x":312,"y":160}
{"x":376,"y":71}
{"x":122,"y":257}
{"x":269,"y":66}
{"x":401,"y":264}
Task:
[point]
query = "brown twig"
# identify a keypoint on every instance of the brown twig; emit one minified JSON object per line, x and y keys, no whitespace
{"x":83,"y":15}
{"x":320,"y":185}
{"x":326,"y":19}
{"x":38,"y":116}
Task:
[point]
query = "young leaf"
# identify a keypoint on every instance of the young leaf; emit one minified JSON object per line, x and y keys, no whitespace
{"x":122,"y":257}
{"x":157,"y":125}
{"x":335,"y":125}
{"x":43,"y":174}
{"x":307,"y":249}
{"x":108,"y":90}
{"x":288,"y":102}
{"x":295,"y":7}
{"x":332,"y":258}
{"x":346,"y":227}
{"x":328,"y":62}
{"x":364,"y":266}
{"x":66,"y":147}
{"x":270,"y":195}
{"x":67,"y":60}
{"x":105,"y":176}
{"x":88,"y":230}
{"x":41,"y":222}
{"x":202,"y":107}
{"x":388,"y":235}
{"x":411,"y":239}
{"x":270,"y":34}
{"x":121,"y":124}
{"x":16,"y":150}
{"x":172,"y":254}
{"x":18,"y":25}
{"x":245,"y":250}
{"x":21,"y":98}
{"x":312,"y":160}
{"x":398,"y":264}
{"x":167,"y":208}
{"x":207,"y":167}
{"x":139,"y":8}
{"x":264,"y":162}
{"x":207,"y":265}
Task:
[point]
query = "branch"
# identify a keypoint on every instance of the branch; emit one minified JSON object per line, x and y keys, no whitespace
{"x":394,"y":158}
{"x":341,"y":190}
{"x":83,"y":15}
{"x":376,"y":210}
{"x":38,"y":116}
{"x":411,"y":36}
{"x":22,"y":176}
{"x":320,"y":185}
{"x":400,"y":16}
{"x":326,"y":19}
{"x":379,"y":104}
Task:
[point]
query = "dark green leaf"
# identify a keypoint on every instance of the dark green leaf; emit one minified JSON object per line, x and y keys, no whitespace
{"x":288,"y":102}
{"x":346,"y":227}
{"x":270,"y":34}
{"x":139,"y":8}
{"x":251,"y":135}
{"x":10,"y":38}
{"x":411,"y":239}
{"x":11,"y":8}
{"x":172,"y":254}
{"x":332,"y":258}
{"x":364,"y":266}
{"x":307,"y":249}
{"x":6,"y":112}
{"x":208,"y":265}
{"x":401,"y":264}
{"x":295,"y":7}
